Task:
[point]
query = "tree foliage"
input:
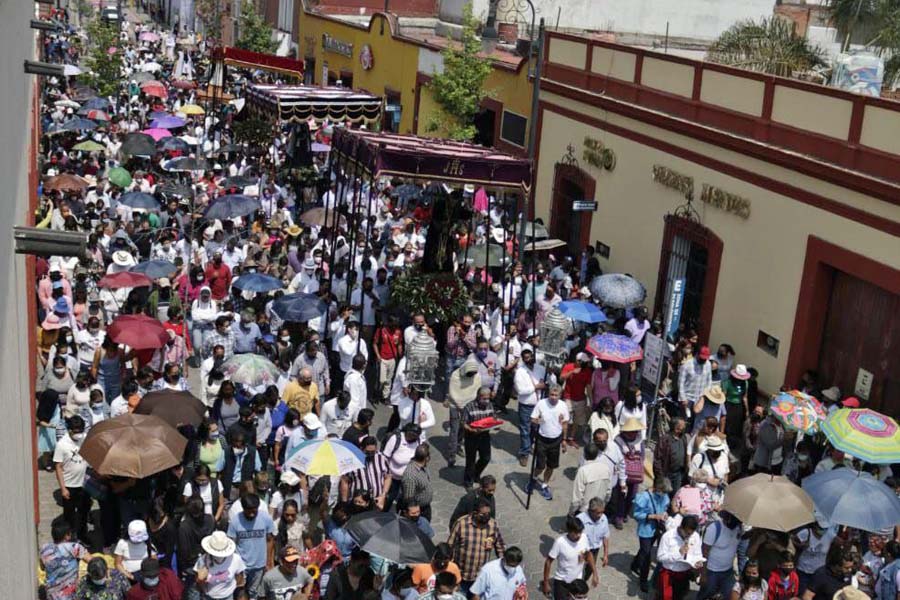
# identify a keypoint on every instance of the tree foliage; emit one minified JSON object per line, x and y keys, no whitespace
{"x":875,"y":23}
{"x":459,"y":90}
{"x":105,"y":66}
{"x":210,"y":17}
{"x":253,"y":131}
{"x":770,"y":46}
{"x":255,"y":33}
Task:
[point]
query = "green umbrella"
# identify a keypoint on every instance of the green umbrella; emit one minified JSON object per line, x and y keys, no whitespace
{"x":90,"y":146}
{"x":119,"y":176}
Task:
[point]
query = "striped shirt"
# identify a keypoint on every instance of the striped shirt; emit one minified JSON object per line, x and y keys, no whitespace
{"x":370,"y":478}
{"x":472,"y":545}
{"x":473,"y":412}
{"x":416,"y":484}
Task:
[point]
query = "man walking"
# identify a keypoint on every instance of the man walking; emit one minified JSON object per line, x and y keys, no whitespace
{"x":528,"y":382}
{"x":477,"y":439}
{"x":671,"y":457}
{"x":550,"y":416}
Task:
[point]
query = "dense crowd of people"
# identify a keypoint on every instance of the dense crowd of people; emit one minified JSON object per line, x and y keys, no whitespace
{"x":233,"y":519}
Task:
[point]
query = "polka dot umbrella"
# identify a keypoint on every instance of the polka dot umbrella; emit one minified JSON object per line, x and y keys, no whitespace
{"x":864,"y":433}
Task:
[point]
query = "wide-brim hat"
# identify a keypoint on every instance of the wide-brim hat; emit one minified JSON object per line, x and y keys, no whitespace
{"x":218,"y":544}
{"x":632,"y":424}
{"x":462,"y":388}
{"x":714,"y":394}
{"x":294,"y":230}
{"x":310,"y":263}
{"x":740,"y":372}
{"x":497,"y":234}
{"x":123,"y":258}
{"x":713,"y":442}
{"x":833,"y":393}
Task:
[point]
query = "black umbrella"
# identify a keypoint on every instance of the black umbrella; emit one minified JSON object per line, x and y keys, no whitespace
{"x":173,"y":188}
{"x":77,"y":124}
{"x":140,"y":200}
{"x":185,"y":163}
{"x":230,"y":206}
{"x":230,"y":148}
{"x":155,"y":269}
{"x":173,"y":143}
{"x":138,"y":144}
{"x":391,"y":537}
{"x":175,"y":408}
{"x":299,"y":307}
{"x":238,"y":181}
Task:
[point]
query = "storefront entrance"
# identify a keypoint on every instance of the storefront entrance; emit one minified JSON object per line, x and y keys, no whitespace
{"x":571,"y":184}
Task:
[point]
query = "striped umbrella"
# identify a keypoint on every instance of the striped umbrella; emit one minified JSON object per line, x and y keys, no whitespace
{"x":868,"y":435}
{"x":798,"y":411}
{"x":251,"y":370}
{"x":326,"y":457}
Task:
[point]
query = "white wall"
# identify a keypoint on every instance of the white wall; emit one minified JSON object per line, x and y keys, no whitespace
{"x":18,"y":550}
{"x":452,"y":10}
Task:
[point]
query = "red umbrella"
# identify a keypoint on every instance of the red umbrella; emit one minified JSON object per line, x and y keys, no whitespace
{"x":184,"y":84}
{"x":124,"y":279}
{"x":154,"y":88}
{"x":139,"y":332}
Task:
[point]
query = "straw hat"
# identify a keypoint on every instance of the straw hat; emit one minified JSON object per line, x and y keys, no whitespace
{"x":218,"y":544}
{"x":632,"y":424}
{"x":713,"y":442}
{"x":465,"y":382}
{"x":123,"y":258}
{"x":294,"y":230}
{"x":714,"y":394}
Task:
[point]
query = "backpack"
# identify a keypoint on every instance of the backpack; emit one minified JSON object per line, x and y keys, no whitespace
{"x":394,"y":436}
{"x":634,"y":464}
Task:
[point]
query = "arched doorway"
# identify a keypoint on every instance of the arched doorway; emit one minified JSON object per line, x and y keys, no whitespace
{"x":691,"y":253}
{"x":571,"y":184}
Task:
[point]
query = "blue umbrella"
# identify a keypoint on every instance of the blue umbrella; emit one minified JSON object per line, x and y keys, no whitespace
{"x":184,"y":163}
{"x":858,"y":500}
{"x":155,"y":269}
{"x":618,"y":291}
{"x":257,"y":282}
{"x":173,"y":143}
{"x":579,"y":310}
{"x":168,"y":122}
{"x":158,"y":114}
{"x":299,"y":308}
{"x":231,"y":206}
{"x":140,"y":200}
{"x":94,"y":104}
{"x":77,"y":124}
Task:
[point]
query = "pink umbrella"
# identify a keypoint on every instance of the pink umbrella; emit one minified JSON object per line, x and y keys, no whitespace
{"x":149,"y":36}
{"x":112,"y":50}
{"x":157,"y":134}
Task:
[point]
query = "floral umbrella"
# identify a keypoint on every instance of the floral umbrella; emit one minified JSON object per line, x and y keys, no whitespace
{"x":251,"y":370}
{"x":614,"y":348}
{"x":864,"y":433}
{"x":798,"y":411}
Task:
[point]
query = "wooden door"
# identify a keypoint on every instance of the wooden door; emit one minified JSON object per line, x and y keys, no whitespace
{"x":862,"y":330}
{"x":571,"y":184}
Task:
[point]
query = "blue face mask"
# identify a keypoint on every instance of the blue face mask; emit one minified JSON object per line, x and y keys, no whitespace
{"x":151,"y":581}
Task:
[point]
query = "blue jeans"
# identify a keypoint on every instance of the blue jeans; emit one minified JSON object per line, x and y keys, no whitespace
{"x":254,"y":577}
{"x":717,"y":582}
{"x":525,"y":411}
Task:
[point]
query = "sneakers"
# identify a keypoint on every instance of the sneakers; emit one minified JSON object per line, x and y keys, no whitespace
{"x":546,"y":493}
{"x":523,"y":461}
{"x":644,"y":587}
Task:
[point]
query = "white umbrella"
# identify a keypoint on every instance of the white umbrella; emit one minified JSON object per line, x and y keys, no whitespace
{"x":151,"y":67}
{"x":189,"y":140}
{"x":67,"y":104}
{"x":71,"y":70}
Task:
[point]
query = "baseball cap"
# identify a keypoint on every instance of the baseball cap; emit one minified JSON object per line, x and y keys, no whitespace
{"x":704,"y":352}
{"x":290,"y":554}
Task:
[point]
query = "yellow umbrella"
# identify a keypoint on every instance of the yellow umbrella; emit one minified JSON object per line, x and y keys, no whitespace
{"x":191,"y":109}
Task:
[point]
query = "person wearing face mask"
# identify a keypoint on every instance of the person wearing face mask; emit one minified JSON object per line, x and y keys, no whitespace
{"x":461,"y":342}
{"x":97,"y":411}
{"x":303,"y":394}
{"x":79,"y":395}
{"x":336,"y":416}
{"x":413,"y":407}
{"x":203,"y":314}
{"x":572,"y":555}
{"x":445,"y":588}
{"x":355,"y":382}
{"x":388,"y":347}
{"x":70,"y":472}
{"x":288,"y":490}
{"x":218,"y":276}
{"x":254,"y":532}
{"x":477,"y":440}
{"x":315,"y":360}
{"x":576,"y":377}
{"x":241,"y":464}
{"x":694,"y":377}
{"x":720,"y":544}
{"x":679,"y":554}
{"x":425,"y":575}
{"x":195,"y":525}
{"x":650,"y":511}
{"x":88,"y":341}
{"x":220,"y":570}
{"x":472,"y":539}
{"x":57,"y":376}
{"x":419,"y":325}
{"x":156,"y":583}
{"x":209,"y":491}
{"x":632,"y":449}
{"x":500,"y":579}
{"x":783,"y":582}
{"x":102,"y":583}
{"x":529,"y":384}
{"x":712,"y":458}
{"x":246,"y":332}
{"x":799,"y":464}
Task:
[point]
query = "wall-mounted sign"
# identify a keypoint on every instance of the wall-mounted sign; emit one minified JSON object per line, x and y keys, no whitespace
{"x":732,"y":203}
{"x":601,"y":249}
{"x":454,"y":167}
{"x":598,"y":155}
{"x":673,"y":316}
{"x":863,"y":386}
{"x":330,"y":44}
{"x":584,"y":205}
{"x":366,"y":58}
{"x":674,"y":180}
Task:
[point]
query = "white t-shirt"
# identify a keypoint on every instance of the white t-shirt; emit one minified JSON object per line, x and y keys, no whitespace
{"x":569,"y":557}
{"x":549,"y":415}
{"x":67,"y":453}
{"x":220,"y":583}
{"x":205,"y":495}
{"x":132,"y":554}
{"x":722,"y":550}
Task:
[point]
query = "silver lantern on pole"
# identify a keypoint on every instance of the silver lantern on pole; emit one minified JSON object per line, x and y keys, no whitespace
{"x":421,"y":362}
{"x":554,"y":330}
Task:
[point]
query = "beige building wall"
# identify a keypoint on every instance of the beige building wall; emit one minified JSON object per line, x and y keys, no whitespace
{"x":763,"y":256}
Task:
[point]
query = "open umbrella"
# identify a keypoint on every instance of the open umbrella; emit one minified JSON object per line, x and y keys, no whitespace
{"x":614,"y":348}
{"x":299,"y":307}
{"x":257,"y":282}
{"x":858,"y":500}
{"x":151,"y":67}
{"x":174,"y":407}
{"x":618,"y":291}
{"x":542,"y":245}
{"x":579,"y":310}
{"x":864,"y":433}
{"x":798,"y":411}
{"x":131,"y":445}
{"x":155,"y":269}
{"x":325,"y":457}
{"x":124,"y":279}
{"x":142,"y":76}
{"x":390,"y":536}
{"x":535,"y":230}
{"x":183,"y":84}
{"x":158,"y":114}
{"x":250,"y":369}
{"x":71,"y":70}
{"x":189,"y":140}
{"x":95,"y":114}
{"x":230,"y":206}
{"x":83,"y":93}
{"x":315,"y":217}
{"x":173,"y":188}
{"x":769,"y":502}
{"x":141,"y":200}
{"x":76,"y":124}
{"x":172,"y":144}
{"x":67,"y":103}
{"x":482,"y":255}
{"x":138,"y":144}
{"x":157,"y":133}
{"x":89,"y":146}
{"x":140,"y":332}
{"x":148,"y":36}
{"x":95,"y":104}
{"x":66,"y":183}
{"x":185,"y":164}
{"x":191,"y":109}
{"x":238,"y":181}
{"x":168,"y":122}
{"x":154,"y":88}
{"x":119,"y":176}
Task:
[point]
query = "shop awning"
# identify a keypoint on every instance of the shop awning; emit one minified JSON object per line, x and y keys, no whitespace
{"x":296,"y":103}
{"x":257,"y":60}
{"x":389,"y":154}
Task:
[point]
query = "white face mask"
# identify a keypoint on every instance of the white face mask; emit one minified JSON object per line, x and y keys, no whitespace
{"x":77,"y":437}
